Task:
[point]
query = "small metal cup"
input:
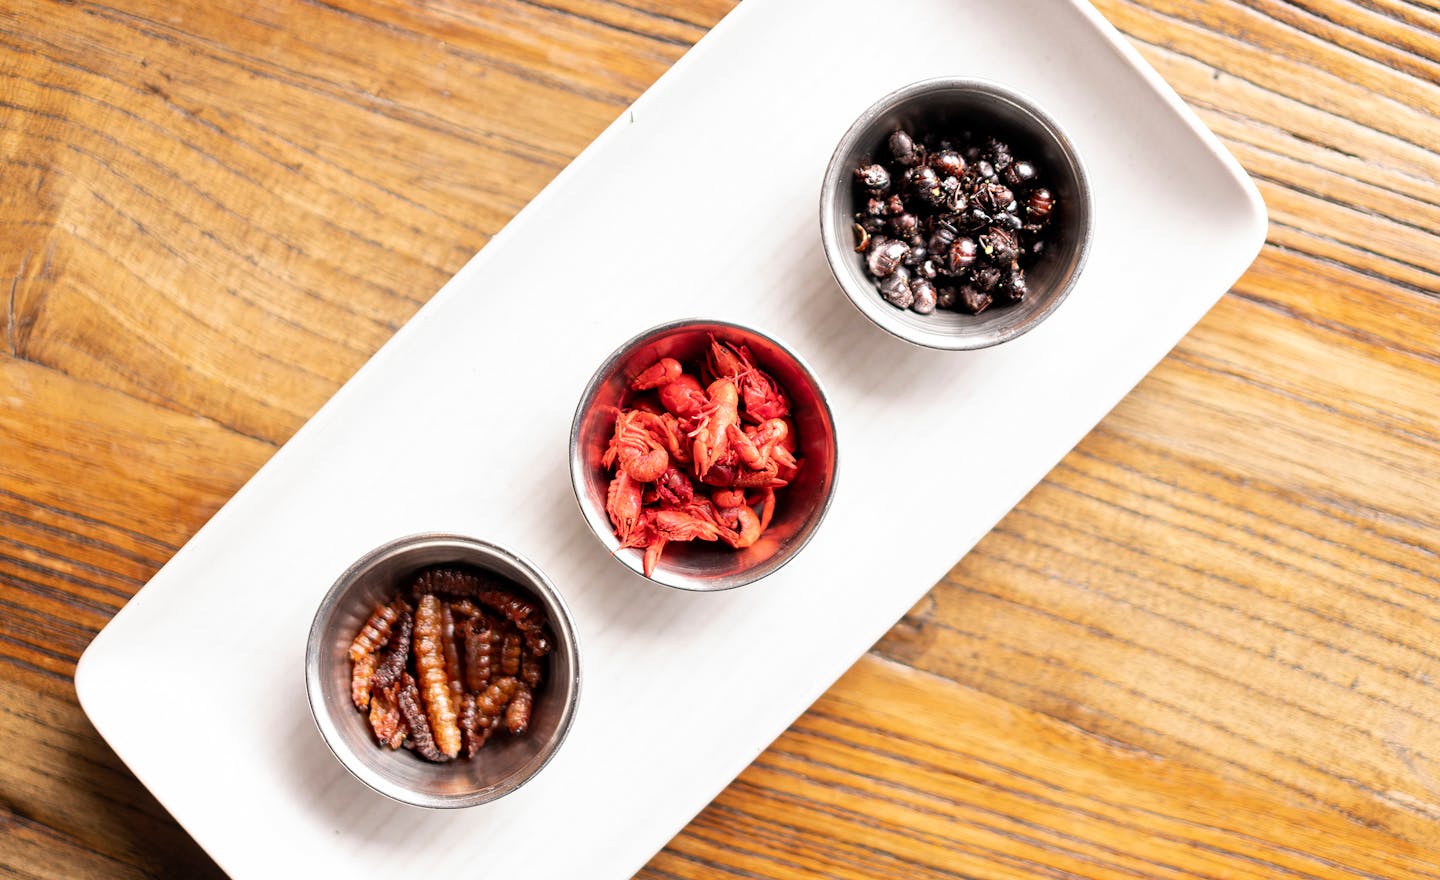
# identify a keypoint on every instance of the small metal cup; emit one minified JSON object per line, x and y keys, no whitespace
{"x":704,"y":565}
{"x":506,"y":762}
{"x":954,"y":104}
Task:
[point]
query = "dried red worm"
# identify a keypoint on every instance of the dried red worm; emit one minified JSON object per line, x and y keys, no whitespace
{"x":392,"y":662}
{"x":510,"y":654}
{"x":371,"y":638}
{"x":530,"y":672}
{"x":496,"y":696}
{"x":375,"y":632}
{"x":360,"y":674}
{"x":523,"y":615}
{"x":430,"y":672}
{"x":451,"y":648}
{"x":517,"y":714}
{"x":451,"y":582}
{"x":470,"y":725}
{"x":480,"y":641}
{"x":466,"y":608}
{"x":385,"y":717}
{"x":484,"y":729}
{"x":420,"y":736}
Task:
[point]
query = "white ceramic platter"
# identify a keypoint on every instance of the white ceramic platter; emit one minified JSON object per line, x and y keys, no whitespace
{"x":699,"y":201}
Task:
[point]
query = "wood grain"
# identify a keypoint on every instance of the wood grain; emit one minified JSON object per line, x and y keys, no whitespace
{"x":1205,"y":646}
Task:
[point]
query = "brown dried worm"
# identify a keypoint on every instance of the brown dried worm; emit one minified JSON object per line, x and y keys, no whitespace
{"x":372,"y":637}
{"x":431,"y":676}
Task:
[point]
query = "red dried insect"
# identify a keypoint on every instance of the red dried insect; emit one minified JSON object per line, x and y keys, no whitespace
{"x":517,"y":714}
{"x":523,"y":615}
{"x":530,"y":672}
{"x":757,"y":447}
{"x":696,"y":521}
{"x":372,"y":636}
{"x":636,"y":450}
{"x":762,"y":396}
{"x":470,"y":725}
{"x":767,"y":507}
{"x":724,"y":498}
{"x":674,"y":489}
{"x":451,"y":647}
{"x":493,"y":701}
{"x":480,"y":642}
{"x":733,"y":436}
{"x":510,"y":654}
{"x":658,"y":374}
{"x":712,"y":440}
{"x":450,"y":582}
{"x":421,"y":738}
{"x":392,"y":663}
{"x":743,"y":522}
{"x":430,"y":672}
{"x":679,"y":392}
{"x":623,"y":505}
{"x":666,"y":430}
{"x":685,"y":397}
{"x":385,"y":717}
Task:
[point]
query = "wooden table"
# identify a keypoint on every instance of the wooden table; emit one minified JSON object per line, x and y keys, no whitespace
{"x":1205,"y":646}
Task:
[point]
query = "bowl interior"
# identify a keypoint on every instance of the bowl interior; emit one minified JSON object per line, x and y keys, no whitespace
{"x":705,"y":565}
{"x":505,"y":762}
{"x":986,"y":110}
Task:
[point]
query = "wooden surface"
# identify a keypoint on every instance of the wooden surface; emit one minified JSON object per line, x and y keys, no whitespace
{"x":1205,"y":646}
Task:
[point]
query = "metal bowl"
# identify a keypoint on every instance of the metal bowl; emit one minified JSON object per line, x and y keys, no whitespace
{"x":705,"y":565}
{"x":506,"y":762}
{"x":986,"y":108}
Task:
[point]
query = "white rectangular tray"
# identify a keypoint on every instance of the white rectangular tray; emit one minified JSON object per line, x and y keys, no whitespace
{"x":700,"y":201}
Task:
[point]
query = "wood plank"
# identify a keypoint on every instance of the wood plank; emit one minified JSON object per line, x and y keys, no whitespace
{"x":1237,"y":568}
{"x":97,"y":490}
{"x":1215,"y":72}
{"x":1367,"y":93}
{"x":1393,"y":41}
{"x":28,"y":852}
{"x":69,"y":808}
{"x":1343,"y":300}
{"x":134,"y":464}
{"x":896,"y":772}
{"x":315,"y":268}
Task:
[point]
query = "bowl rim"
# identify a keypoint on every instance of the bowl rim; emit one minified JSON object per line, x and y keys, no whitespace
{"x":578,"y":471}
{"x":560,"y":619}
{"x":836,"y":253}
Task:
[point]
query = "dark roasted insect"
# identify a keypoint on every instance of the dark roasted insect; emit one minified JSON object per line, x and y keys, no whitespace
{"x":392,"y":663}
{"x":452,"y":583}
{"x":956,"y":216}
{"x":523,"y":615}
{"x":418,"y":732}
{"x":480,"y":643}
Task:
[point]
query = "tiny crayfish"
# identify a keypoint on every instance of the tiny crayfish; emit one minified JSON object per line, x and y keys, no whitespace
{"x":763,"y":398}
{"x":731,"y":439}
{"x":634,"y":446}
